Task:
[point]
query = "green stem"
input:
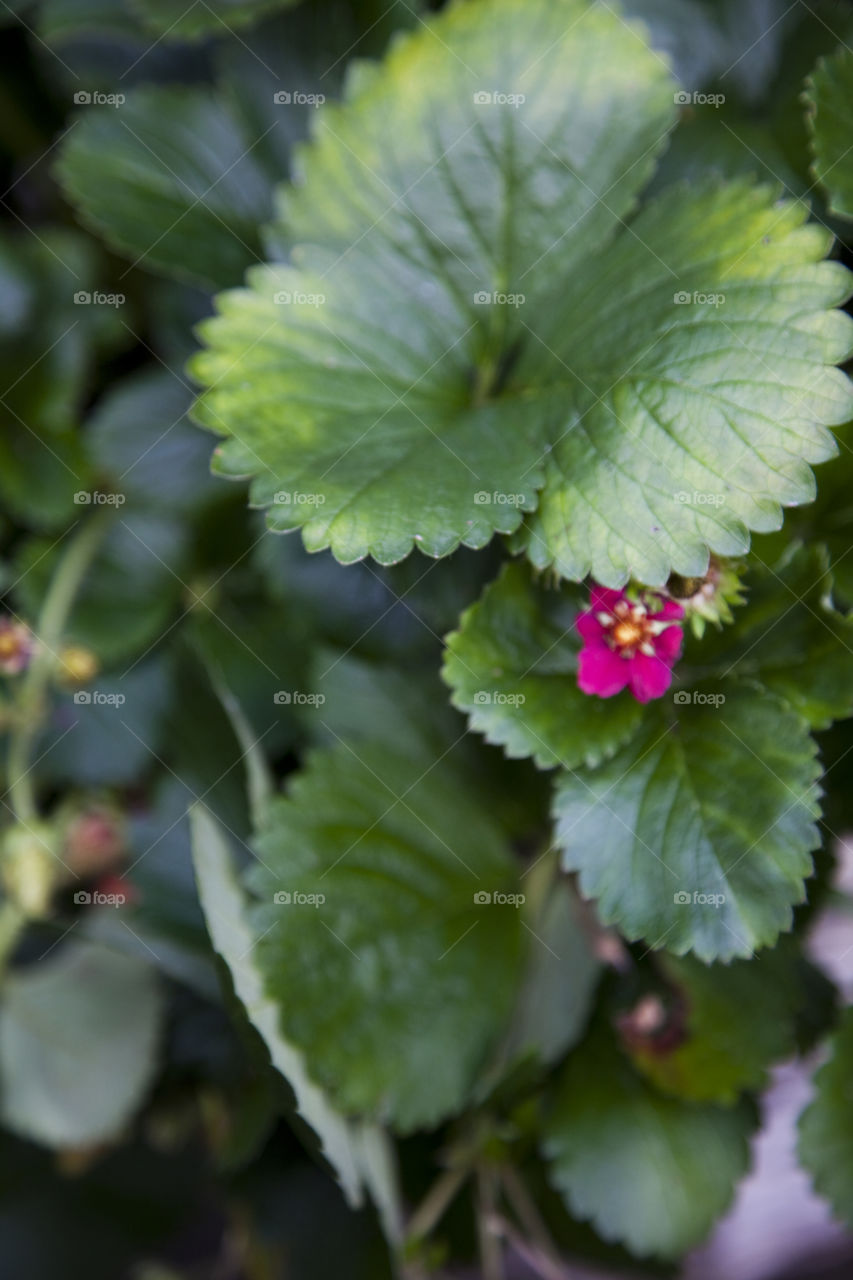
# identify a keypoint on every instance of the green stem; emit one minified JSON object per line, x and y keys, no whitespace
{"x":31,"y":698}
{"x":491,"y":1243}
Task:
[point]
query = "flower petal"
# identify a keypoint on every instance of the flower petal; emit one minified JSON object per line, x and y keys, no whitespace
{"x":602,"y":672}
{"x":602,"y":599}
{"x":589,"y":627}
{"x":669,"y":611}
{"x":668,"y":644}
{"x":650,"y":677}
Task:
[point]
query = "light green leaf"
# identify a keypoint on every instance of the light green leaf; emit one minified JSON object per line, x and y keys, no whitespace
{"x":171,"y":205}
{"x":826,"y":1126}
{"x":670,"y":859}
{"x":512,"y":666}
{"x":78,"y":1040}
{"x":358,"y":1152}
{"x":790,"y":637}
{"x":373,"y":392}
{"x":391,"y":976}
{"x":705,"y":390}
{"x":648,"y":1171}
{"x":829,"y":102}
{"x":427,"y":365}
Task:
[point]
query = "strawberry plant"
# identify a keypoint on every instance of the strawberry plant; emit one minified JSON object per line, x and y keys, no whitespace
{"x":426,"y":648}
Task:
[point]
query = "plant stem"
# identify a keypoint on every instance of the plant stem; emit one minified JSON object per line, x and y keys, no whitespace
{"x":434,"y":1204}
{"x":533,"y":1223}
{"x":491,"y":1243}
{"x":51,"y":623}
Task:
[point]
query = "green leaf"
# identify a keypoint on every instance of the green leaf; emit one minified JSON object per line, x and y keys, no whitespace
{"x":826,"y":1126}
{"x":696,"y":418}
{"x":512,"y":666}
{"x":739,"y":1020}
{"x":648,"y":1171}
{"x":390,"y":976}
{"x":790,"y":637}
{"x":390,"y":430}
{"x":672,"y":859}
{"x":170,"y":205}
{"x":562,"y":971}
{"x":659,"y":429}
{"x":829,"y":102}
{"x":142,"y":443}
{"x":78,"y":1040}
{"x":177,"y":20}
{"x":358,"y":1152}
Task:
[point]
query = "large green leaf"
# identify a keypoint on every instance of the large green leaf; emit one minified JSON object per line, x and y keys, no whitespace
{"x":649,"y":1171}
{"x":705,"y":391}
{"x":358,"y":1153}
{"x":427,"y":365}
{"x":78,"y":1040}
{"x":512,"y":666}
{"x":171,"y":204}
{"x":377,"y":403}
{"x":826,"y":1126}
{"x":671,"y":858}
{"x":391,"y":977}
{"x":790,"y":637}
{"x":829,"y":98}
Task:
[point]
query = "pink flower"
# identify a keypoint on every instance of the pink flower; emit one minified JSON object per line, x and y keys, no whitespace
{"x":628,"y":642}
{"x":16,"y":647}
